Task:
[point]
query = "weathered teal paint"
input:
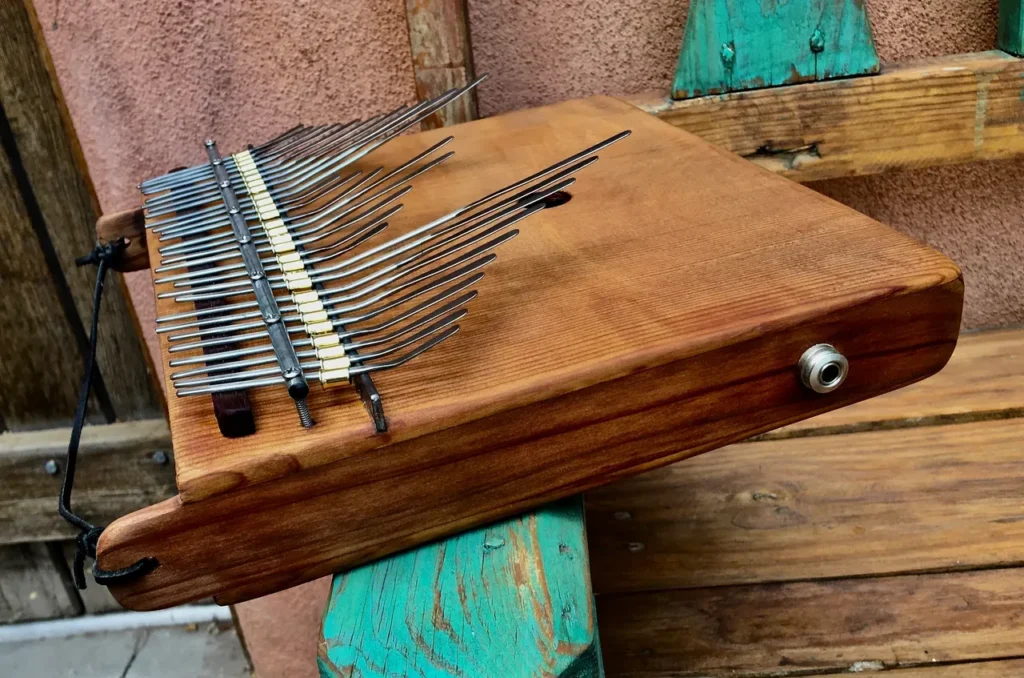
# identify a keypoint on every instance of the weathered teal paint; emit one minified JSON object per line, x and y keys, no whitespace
{"x":511,"y":600}
{"x":1011,"y":26}
{"x":732,"y":45}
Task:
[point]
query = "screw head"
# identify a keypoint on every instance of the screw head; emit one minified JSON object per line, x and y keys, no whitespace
{"x":160,"y":457}
{"x":728,"y":54}
{"x":817,"y":41}
{"x":51,"y":467}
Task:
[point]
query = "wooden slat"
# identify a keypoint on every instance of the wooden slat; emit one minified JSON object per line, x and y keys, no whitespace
{"x":51,"y":158}
{"x":34,"y":585}
{"x":939,"y":111}
{"x":808,"y":627}
{"x":40,"y":363}
{"x":983,"y":380}
{"x":926,"y":499}
{"x":441,"y":57}
{"x":1010,"y":668}
{"x":117,"y":474}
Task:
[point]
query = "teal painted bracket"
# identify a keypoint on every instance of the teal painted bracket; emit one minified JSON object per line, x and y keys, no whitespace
{"x":511,"y":600}
{"x":733,"y":45}
{"x":1011,"y":27}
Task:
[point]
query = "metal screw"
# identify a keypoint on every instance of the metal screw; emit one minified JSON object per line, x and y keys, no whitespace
{"x":160,"y":457}
{"x":51,"y":467}
{"x":623,"y":515}
{"x":728,"y":54}
{"x":305,"y":418}
{"x":635,"y":547}
{"x":817,"y":41}
{"x":823,"y":369}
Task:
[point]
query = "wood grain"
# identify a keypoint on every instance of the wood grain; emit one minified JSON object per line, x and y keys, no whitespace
{"x":1010,"y":668}
{"x":117,"y":474}
{"x":34,"y":585}
{"x":933,"y":498}
{"x":51,"y":159}
{"x":642,"y":334}
{"x":801,"y":628}
{"x":441,"y":57}
{"x":511,"y":599}
{"x":938,"y":111}
{"x":983,"y":380}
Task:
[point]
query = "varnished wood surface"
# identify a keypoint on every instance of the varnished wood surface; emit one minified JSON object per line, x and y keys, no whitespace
{"x":658,"y":314}
{"x":938,"y":111}
{"x":811,"y":627}
{"x":915,"y":500}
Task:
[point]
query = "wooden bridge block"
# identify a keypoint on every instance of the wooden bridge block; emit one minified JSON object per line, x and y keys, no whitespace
{"x":511,"y":599}
{"x":732,"y":45}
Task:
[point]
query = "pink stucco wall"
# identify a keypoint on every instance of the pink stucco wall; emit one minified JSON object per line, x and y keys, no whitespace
{"x":146,"y":81}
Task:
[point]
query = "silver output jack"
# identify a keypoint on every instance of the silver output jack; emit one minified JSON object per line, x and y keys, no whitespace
{"x":823,"y":369}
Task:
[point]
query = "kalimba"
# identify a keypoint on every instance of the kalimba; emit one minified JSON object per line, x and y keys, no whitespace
{"x":674,"y":299}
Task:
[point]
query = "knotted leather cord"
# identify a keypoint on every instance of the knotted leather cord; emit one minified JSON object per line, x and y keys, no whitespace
{"x":102,"y":256}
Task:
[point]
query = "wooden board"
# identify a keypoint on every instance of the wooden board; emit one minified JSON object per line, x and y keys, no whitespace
{"x":35,"y":585}
{"x":925,"y":499}
{"x":938,"y":111}
{"x":509,"y":599}
{"x":811,"y":627}
{"x":658,"y":314}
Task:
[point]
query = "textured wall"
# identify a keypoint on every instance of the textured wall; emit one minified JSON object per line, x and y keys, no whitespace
{"x":146,"y":81}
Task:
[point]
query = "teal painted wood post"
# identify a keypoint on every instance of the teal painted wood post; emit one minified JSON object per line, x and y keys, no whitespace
{"x":733,"y":45}
{"x":1011,"y":27}
{"x":511,"y":600}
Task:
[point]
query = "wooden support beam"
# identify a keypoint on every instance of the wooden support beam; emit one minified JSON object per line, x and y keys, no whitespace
{"x":122,"y":468}
{"x":939,"y":111}
{"x":734,"y":45}
{"x":441,"y":56}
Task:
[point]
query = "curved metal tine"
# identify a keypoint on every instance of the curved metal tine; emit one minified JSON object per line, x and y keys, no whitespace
{"x":204,"y":171}
{"x":361,"y":306}
{"x":196,"y":278}
{"x":401,"y":301}
{"x":230,"y":251}
{"x":432,"y":328}
{"x":353,"y":371}
{"x":267,"y":350}
{"x":336,"y":296}
{"x":325,"y":216}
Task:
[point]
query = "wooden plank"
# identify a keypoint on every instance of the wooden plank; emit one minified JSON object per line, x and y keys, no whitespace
{"x":51,"y":158}
{"x":925,"y":499}
{"x":34,"y":585}
{"x":808,"y":627}
{"x":40,"y":363}
{"x":634,"y":348}
{"x":116,"y":474}
{"x":511,"y":599}
{"x":733,"y":45}
{"x":983,"y":380}
{"x":1010,"y":668}
{"x":441,"y":57}
{"x":1011,"y":27}
{"x":938,"y":111}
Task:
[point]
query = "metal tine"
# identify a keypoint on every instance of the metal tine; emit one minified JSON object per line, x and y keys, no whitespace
{"x":381,"y":284}
{"x":242,"y":305}
{"x":204,"y":172}
{"x":269,"y":358}
{"x":472,"y":266}
{"x":225,"y":287}
{"x":147,"y":184}
{"x":336,"y":225}
{"x":318,"y":221}
{"x":334,"y":302}
{"x":221,"y":221}
{"x":348,"y":331}
{"x":271,"y":263}
{"x":432,"y":327}
{"x":352,"y":371}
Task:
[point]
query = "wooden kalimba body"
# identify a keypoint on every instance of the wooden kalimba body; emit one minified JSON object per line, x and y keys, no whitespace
{"x":660,"y":313}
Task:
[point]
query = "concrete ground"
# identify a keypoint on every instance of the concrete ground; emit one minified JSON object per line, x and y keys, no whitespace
{"x":200,"y":651}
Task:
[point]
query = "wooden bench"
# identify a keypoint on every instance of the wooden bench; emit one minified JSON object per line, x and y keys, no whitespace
{"x":886,"y":535}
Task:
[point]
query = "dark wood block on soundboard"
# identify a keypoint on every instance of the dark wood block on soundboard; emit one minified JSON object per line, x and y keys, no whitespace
{"x":658,"y":314}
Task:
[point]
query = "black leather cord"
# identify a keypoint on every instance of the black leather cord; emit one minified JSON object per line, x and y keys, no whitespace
{"x":102,"y":257}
